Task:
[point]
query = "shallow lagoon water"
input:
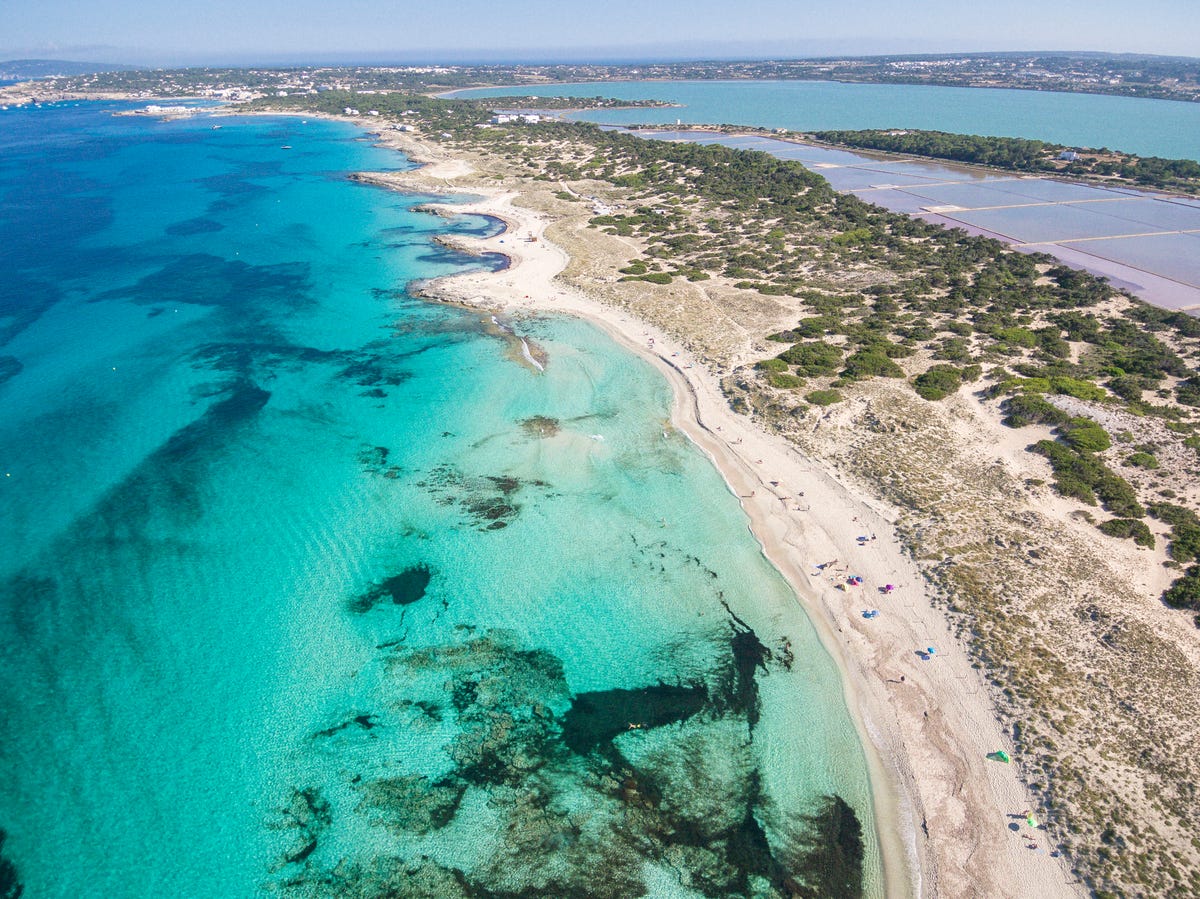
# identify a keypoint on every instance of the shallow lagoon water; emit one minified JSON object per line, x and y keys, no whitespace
{"x":312,"y":589}
{"x":1168,"y":128}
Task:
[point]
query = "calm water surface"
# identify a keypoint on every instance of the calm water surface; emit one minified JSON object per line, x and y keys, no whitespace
{"x":1167,"y":128}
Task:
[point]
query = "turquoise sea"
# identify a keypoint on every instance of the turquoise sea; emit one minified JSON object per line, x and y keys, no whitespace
{"x":310,"y":588}
{"x":1167,"y":128}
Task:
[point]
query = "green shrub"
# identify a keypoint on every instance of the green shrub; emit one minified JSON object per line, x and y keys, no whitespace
{"x":1185,"y":530}
{"x":1142,"y":460}
{"x":634,"y":268}
{"x":869,"y":364}
{"x":953,"y":349}
{"x":853,"y":238}
{"x":892,"y":350}
{"x":1126,"y":528}
{"x":1188,"y":392}
{"x":1085,"y":435}
{"x":1069,"y":481}
{"x":1051,"y":343}
{"x":771,"y":365}
{"x":1030,"y":408}
{"x":816,"y":326}
{"x":1022,"y":337}
{"x":1185,"y":592}
{"x":940,"y":381}
{"x":1127,"y":387}
{"x":1116,"y":494}
{"x":656,"y":278}
{"x":813,"y":359}
{"x":1019,"y":385}
{"x":1084,"y":477}
{"x":1084,"y":390}
{"x":824,"y":397}
{"x":632,"y":179}
{"x":784,"y":381}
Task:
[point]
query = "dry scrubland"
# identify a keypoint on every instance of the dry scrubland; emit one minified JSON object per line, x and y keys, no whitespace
{"x":890,"y":352}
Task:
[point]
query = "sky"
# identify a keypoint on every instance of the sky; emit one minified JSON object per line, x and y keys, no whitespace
{"x":178,"y":32}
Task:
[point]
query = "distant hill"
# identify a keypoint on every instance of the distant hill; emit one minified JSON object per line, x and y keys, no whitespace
{"x":20,"y":69}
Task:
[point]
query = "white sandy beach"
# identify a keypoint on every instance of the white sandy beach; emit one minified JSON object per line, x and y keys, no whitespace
{"x":946,"y":813}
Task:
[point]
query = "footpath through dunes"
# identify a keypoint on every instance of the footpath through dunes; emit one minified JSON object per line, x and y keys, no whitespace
{"x":946,"y":812}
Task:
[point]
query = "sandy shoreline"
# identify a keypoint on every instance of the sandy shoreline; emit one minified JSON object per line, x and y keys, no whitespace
{"x":944,"y":811}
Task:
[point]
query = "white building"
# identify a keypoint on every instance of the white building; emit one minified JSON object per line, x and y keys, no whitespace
{"x":508,"y":118}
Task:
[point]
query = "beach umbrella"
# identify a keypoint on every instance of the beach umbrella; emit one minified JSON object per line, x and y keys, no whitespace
{"x":998,"y":756}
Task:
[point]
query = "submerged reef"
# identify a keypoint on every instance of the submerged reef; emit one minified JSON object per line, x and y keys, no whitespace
{"x":540,"y":426}
{"x":10,"y":367}
{"x":374,"y":460}
{"x":594,"y":719}
{"x":546,"y":792}
{"x":23,"y":300}
{"x":750,"y":656}
{"x":832,"y":853}
{"x":489,"y":502}
{"x":199,"y":225}
{"x":412,"y":803}
{"x":306,"y":815}
{"x":205,"y":280}
{"x":402,"y":589}
{"x":366,"y":722}
{"x":10,"y":885}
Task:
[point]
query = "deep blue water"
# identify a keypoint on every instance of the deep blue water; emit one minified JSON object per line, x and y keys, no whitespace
{"x":312,"y":589}
{"x":1167,"y":128}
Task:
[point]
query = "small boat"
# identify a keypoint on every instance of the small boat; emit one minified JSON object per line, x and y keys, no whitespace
{"x":286,"y":147}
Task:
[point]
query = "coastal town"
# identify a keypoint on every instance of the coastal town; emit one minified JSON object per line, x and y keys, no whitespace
{"x":1169,"y":78}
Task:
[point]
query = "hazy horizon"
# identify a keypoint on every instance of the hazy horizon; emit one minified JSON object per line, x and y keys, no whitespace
{"x":248,"y":32}
{"x":598,"y":56}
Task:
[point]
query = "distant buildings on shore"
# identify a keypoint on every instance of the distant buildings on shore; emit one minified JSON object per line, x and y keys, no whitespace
{"x":512,"y":118}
